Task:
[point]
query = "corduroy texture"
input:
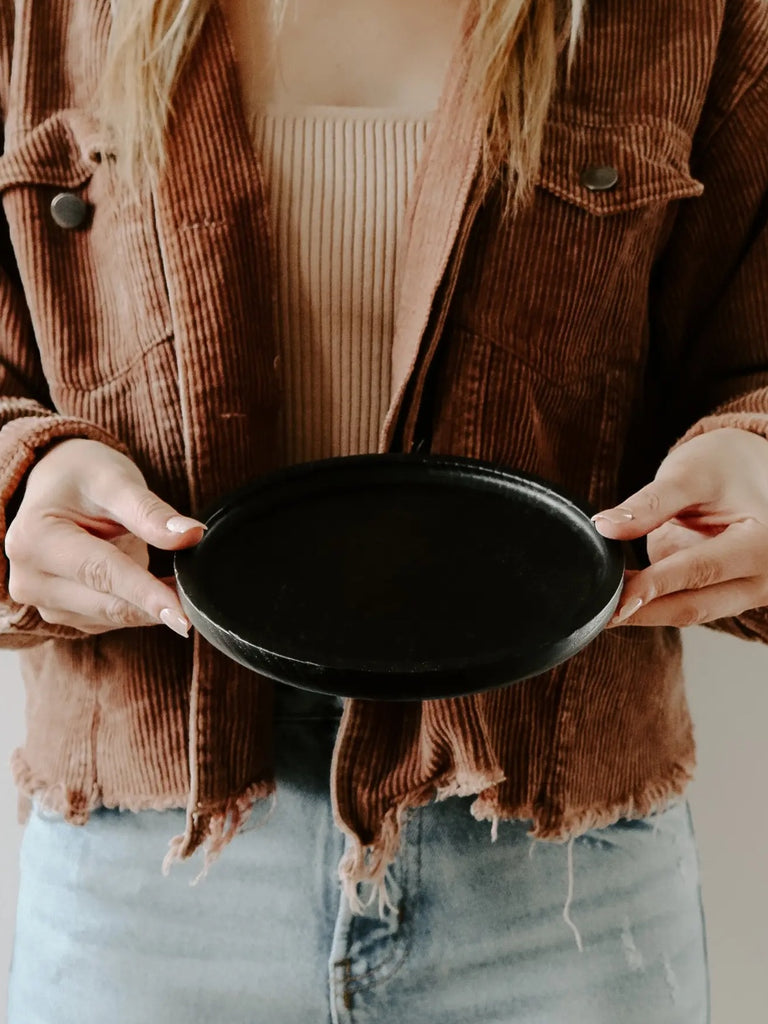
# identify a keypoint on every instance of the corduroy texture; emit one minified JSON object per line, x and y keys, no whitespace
{"x":578,"y":340}
{"x":337,"y":181}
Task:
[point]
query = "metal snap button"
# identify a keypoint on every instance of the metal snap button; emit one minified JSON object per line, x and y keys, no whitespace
{"x":599,"y":179}
{"x":69,"y":210}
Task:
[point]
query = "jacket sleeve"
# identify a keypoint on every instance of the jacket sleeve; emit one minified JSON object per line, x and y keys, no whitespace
{"x":712,"y":287}
{"x":28,"y":425}
{"x":28,"y":422}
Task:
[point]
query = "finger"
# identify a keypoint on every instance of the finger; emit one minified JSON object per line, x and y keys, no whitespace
{"x":144,"y":514}
{"x":672,"y":537}
{"x":133,"y":547}
{"x":68,"y":603}
{"x":646,"y":509}
{"x":694,"y":607}
{"x":733,"y":554}
{"x":72,"y":554}
{"x":71,"y":604}
{"x":170,"y":582}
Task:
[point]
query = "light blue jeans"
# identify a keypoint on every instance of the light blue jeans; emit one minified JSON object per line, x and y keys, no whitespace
{"x":485,"y":933}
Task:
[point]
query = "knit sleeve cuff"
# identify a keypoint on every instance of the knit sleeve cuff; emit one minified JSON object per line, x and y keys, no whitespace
{"x":29,"y":430}
{"x":755,"y":422}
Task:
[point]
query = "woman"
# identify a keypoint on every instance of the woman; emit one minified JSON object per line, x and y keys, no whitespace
{"x":570,"y":280}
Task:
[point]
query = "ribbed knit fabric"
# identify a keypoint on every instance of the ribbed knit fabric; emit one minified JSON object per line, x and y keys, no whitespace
{"x":337,"y":180}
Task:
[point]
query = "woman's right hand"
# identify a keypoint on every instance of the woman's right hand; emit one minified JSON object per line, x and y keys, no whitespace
{"x":77,"y":547}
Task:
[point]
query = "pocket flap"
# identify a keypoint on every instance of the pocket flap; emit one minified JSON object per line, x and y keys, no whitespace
{"x":59,"y":151}
{"x":651,"y":160}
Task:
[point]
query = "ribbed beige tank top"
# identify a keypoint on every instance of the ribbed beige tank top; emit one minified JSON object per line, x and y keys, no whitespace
{"x":337,"y":181}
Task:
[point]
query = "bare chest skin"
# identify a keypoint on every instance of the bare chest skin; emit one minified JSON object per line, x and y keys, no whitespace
{"x":353,"y":53}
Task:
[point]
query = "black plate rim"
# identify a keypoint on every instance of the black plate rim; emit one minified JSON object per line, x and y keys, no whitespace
{"x":285,"y":668}
{"x":416,"y":685}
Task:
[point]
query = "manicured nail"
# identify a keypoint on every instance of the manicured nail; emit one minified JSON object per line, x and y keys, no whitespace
{"x":183,"y":524}
{"x":617,"y":516}
{"x":174,"y":621}
{"x":627,"y":611}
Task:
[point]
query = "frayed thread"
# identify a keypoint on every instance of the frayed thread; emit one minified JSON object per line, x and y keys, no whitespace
{"x":213,"y":831}
{"x":72,"y":804}
{"x":369,"y":865}
{"x":657,"y":798}
{"x":254,"y":826}
{"x":569,"y":898}
{"x":468,"y":783}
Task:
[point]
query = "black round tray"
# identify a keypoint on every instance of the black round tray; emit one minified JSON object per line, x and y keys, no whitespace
{"x":399,"y":577}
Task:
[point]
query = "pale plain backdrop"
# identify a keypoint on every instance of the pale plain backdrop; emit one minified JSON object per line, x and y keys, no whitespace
{"x":728,"y":688}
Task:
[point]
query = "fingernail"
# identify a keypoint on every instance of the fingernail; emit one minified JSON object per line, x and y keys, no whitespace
{"x":618,"y":516}
{"x":183,"y":524}
{"x":174,"y":621}
{"x":627,"y":611}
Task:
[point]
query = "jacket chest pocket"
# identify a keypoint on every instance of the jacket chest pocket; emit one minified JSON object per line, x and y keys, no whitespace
{"x":563,"y":283}
{"x":546,"y":337}
{"x":88,"y":256}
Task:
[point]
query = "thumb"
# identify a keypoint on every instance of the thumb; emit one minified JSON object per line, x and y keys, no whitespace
{"x":147,"y":516}
{"x":647,"y":509}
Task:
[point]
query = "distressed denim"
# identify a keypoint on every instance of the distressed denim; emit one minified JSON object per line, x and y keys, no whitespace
{"x":604,"y":930}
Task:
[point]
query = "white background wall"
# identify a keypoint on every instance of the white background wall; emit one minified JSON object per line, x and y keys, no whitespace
{"x":728,"y":686}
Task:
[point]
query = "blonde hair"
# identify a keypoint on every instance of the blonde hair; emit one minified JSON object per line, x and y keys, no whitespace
{"x":513,"y":61}
{"x":514,"y":50}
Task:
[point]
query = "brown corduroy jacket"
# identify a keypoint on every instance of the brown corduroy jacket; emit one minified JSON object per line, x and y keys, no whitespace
{"x":577,"y":339}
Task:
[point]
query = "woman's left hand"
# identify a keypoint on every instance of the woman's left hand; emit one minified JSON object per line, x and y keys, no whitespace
{"x":706,"y":520}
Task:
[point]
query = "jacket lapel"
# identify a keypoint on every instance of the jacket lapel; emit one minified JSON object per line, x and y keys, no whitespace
{"x":438,"y":210}
{"x":213,"y":234}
